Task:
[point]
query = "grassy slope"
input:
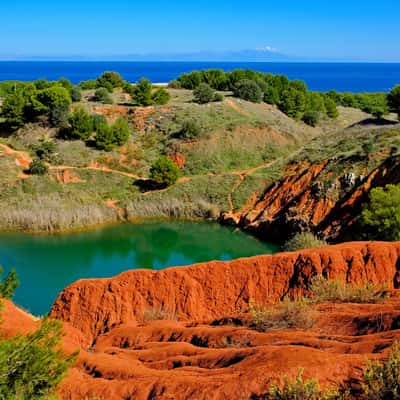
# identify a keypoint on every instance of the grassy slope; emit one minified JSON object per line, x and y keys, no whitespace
{"x":243,"y":146}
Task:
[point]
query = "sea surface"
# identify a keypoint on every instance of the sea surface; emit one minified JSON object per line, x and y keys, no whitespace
{"x":344,"y":77}
{"x":46,"y":264}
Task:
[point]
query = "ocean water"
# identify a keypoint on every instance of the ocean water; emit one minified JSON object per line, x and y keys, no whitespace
{"x":344,"y":77}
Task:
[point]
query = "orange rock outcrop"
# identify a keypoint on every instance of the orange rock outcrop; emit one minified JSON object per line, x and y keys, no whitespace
{"x":207,"y":350}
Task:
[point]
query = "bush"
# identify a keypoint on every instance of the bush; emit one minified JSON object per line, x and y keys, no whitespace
{"x":76,"y":94}
{"x":142,"y":93}
{"x":380,"y":217}
{"x":190,"y":81}
{"x":174,"y":85}
{"x":331,"y":109}
{"x":393,"y":99}
{"x":8,"y":284}
{"x":81,"y":125}
{"x":59,"y":117}
{"x":121,"y":131}
{"x":161,"y":97}
{"x":203,"y":94}
{"x":54,"y":97}
{"x":164,"y":172}
{"x":293,"y":102}
{"x":45,"y":150}
{"x":98,"y":120}
{"x":248,"y":90}
{"x":300,"y":390}
{"x":301,"y":241}
{"x":37,"y":167}
{"x":32,"y":366}
{"x":12,"y":110}
{"x":311,"y":118}
{"x":287,"y":314}
{"x":190,"y":130}
{"x":323,"y":290}
{"x":105,"y":137}
{"x":382,"y":380}
{"x":102,"y":96}
{"x":110,"y":80}
{"x":88,"y":85}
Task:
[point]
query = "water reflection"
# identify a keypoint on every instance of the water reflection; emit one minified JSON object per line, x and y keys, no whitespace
{"x":46,"y":264}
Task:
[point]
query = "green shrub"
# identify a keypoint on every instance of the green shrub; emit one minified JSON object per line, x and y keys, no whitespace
{"x":190,"y":81}
{"x":102,"y":95}
{"x":161,"y":97}
{"x":382,"y":380}
{"x":323,"y":290}
{"x":45,"y":150}
{"x":110,"y":80}
{"x":81,"y":125}
{"x":32,"y":366}
{"x":121,"y":131}
{"x":174,"y":85}
{"x":331,"y":108}
{"x":54,"y":97}
{"x":105,"y":137}
{"x":65,"y":83}
{"x":190,"y":129}
{"x":301,"y":241}
{"x":380,"y":217}
{"x":284,"y":315}
{"x":203,"y":94}
{"x":88,"y":85}
{"x":311,"y":117}
{"x":13,"y":110}
{"x":98,"y":120}
{"x":142,"y":93}
{"x":37,"y":167}
{"x":248,"y":90}
{"x":164,"y":172}
{"x":301,"y":390}
{"x":76,"y":94}
{"x":293,"y":102}
{"x":8,"y":284}
{"x":59,"y":117}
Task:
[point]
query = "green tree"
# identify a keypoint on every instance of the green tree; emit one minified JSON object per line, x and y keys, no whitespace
{"x":81,"y":125}
{"x":59,"y":117}
{"x":13,"y":110}
{"x":102,"y":95}
{"x":190,"y":81}
{"x":88,"y":85}
{"x":142,"y":93}
{"x":393,"y":99}
{"x":121,"y":131}
{"x":331,"y":108}
{"x":161,"y":97}
{"x":164,"y":172}
{"x":204,"y":93}
{"x":53,"y":97}
{"x":110,"y":79}
{"x":293,"y":102}
{"x":248,"y":90}
{"x":215,"y":78}
{"x":380,"y":217}
{"x":105,"y":139}
{"x":65,"y":83}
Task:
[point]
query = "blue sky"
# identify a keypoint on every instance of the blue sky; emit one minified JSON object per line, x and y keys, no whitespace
{"x":342,"y":30}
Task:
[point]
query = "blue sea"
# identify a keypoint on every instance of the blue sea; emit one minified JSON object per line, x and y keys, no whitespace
{"x":344,"y":77}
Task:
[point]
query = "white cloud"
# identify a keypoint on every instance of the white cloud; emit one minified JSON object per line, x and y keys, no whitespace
{"x":268,"y":49}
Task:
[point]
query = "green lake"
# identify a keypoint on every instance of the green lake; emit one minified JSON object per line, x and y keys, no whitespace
{"x":46,"y":264}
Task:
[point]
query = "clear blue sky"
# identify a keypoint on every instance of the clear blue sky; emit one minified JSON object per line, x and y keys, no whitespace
{"x":340,"y":29}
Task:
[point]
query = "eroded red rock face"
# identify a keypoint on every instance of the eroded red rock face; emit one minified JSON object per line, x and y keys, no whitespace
{"x":208,"y":351}
{"x":300,"y":201}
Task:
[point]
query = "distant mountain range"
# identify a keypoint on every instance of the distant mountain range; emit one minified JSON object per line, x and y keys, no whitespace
{"x":263,"y":54}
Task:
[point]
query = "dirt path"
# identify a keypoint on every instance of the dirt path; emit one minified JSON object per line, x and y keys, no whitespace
{"x":22,"y":158}
{"x":232,"y":104}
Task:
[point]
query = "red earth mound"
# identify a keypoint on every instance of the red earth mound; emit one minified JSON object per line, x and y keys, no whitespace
{"x":207,"y":350}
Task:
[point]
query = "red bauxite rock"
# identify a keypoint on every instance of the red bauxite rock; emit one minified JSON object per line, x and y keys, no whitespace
{"x":209,"y":353}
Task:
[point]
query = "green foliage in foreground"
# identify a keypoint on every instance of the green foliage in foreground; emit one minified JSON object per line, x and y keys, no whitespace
{"x":382,"y":380}
{"x":394,"y":100}
{"x":32,"y":366}
{"x":37,"y":167}
{"x":164,"y":172}
{"x":109,"y":136}
{"x":300,"y":389}
{"x":380,"y":218}
{"x":301,"y":241}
